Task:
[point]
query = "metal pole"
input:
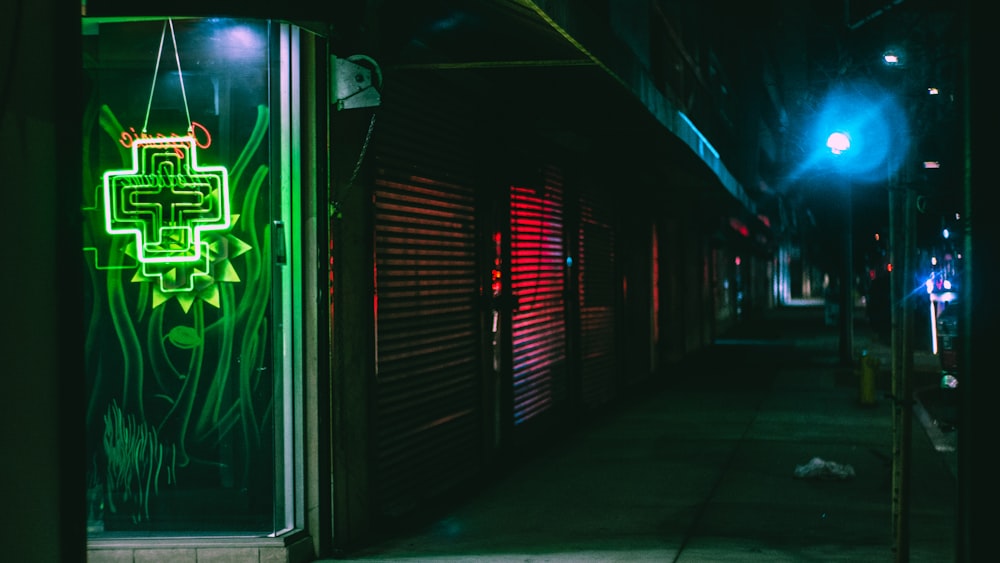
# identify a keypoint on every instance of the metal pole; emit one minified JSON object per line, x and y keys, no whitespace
{"x":902,"y":215}
{"x":906,"y":370}
{"x":977,"y":188}
{"x":847,"y":283}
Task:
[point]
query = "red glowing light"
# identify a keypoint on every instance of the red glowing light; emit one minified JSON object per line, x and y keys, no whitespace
{"x":739,"y":227}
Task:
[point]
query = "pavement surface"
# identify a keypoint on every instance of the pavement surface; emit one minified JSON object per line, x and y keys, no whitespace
{"x":763,"y":448}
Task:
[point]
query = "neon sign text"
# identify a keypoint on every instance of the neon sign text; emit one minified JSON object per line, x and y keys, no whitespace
{"x":202,"y":138}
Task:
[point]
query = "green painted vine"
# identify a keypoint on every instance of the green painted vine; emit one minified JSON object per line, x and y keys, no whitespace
{"x":171,"y":376}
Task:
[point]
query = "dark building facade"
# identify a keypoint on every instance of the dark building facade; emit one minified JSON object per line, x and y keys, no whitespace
{"x":334,"y":266}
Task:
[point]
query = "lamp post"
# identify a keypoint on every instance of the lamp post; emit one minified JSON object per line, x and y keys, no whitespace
{"x":839,"y":142}
{"x":870,"y":141}
{"x":901,"y":243}
{"x":902,"y":246}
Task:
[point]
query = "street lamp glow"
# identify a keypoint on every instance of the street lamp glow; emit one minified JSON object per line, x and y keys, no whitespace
{"x":838,"y":142}
{"x":870,"y":134}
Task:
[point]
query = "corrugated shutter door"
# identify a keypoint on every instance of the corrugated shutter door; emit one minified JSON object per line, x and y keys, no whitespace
{"x":428,"y":398}
{"x":597,"y":290}
{"x":538,"y":324}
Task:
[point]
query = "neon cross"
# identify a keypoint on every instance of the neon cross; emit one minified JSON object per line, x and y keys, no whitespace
{"x":166,"y":200}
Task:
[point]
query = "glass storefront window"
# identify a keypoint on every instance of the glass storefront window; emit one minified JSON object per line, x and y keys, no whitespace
{"x":187,"y":408}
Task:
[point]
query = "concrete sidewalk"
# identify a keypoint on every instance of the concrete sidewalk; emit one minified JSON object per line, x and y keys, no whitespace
{"x":703,"y":469}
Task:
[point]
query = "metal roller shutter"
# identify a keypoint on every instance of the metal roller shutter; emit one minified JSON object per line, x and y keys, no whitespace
{"x":538,"y":282}
{"x":428,"y":410}
{"x":597,"y":294}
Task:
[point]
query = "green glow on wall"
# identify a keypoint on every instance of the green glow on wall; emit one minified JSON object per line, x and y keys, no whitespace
{"x":166,"y":201}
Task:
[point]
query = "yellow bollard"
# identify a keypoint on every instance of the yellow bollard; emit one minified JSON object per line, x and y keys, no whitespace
{"x":869,"y":370}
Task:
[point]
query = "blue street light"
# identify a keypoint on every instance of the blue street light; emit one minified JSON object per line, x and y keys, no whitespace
{"x":861,"y":134}
{"x":870,"y":136}
{"x":838,"y":142}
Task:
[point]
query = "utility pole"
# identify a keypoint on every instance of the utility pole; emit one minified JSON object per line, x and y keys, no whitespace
{"x":902,"y":250}
{"x":902,"y":245}
{"x":847,"y":283}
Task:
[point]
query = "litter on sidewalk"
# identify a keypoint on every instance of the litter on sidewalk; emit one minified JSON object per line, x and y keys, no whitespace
{"x":818,"y":468}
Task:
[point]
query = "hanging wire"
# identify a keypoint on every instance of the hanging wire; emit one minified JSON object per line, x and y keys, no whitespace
{"x":364,"y":149}
{"x":180,"y":76}
{"x":156,"y":71}
{"x":335,"y":206}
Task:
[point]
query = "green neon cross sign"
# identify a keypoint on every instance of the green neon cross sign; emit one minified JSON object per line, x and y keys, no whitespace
{"x":166,"y":200}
